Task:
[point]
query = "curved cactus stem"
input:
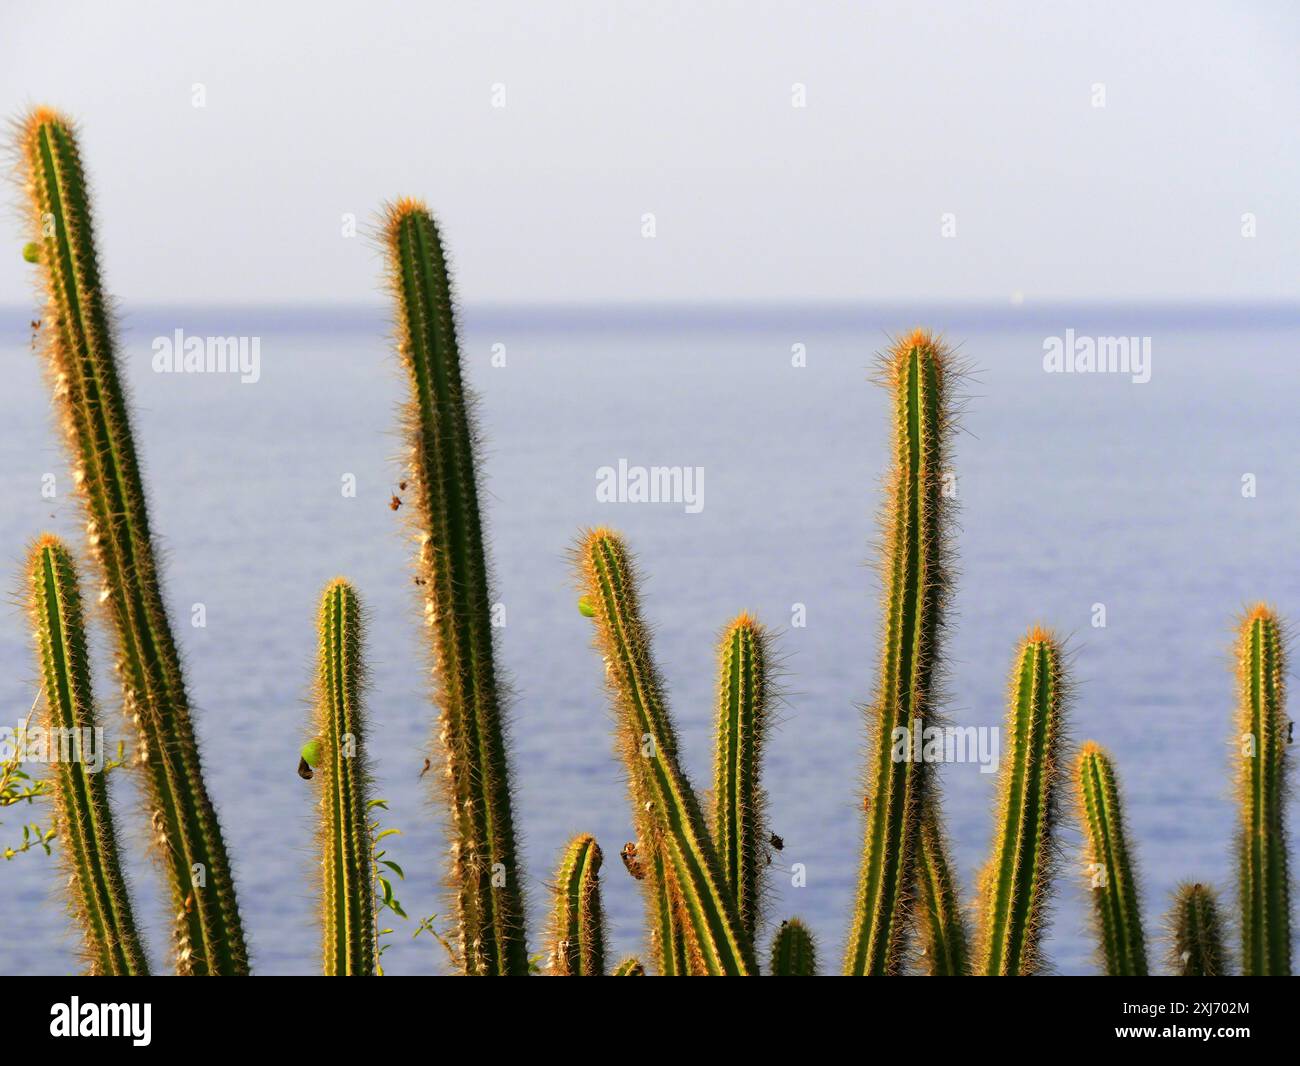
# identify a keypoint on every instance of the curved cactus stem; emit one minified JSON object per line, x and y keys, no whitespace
{"x":944,"y":936}
{"x":82,"y":361}
{"x":794,"y":952}
{"x":919,"y":372}
{"x":1017,"y":882}
{"x":454,"y":575}
{"x":1263,"y":878}
{"x":348,"y":941}
{"x":629,"y":967}
{"x":1196,"y":941}
{"x":667,"y":812}
{"x":577,"y":947}
{"x":96,"y":888}
{"x":1110,"y":870}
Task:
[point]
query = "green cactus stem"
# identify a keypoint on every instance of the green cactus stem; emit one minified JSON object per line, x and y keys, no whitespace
{"x":919,"y":372}
{"x":1110,"y":871}
{"x":83,"y":369}
{"x":794,"y":952}
{"x":944,"y":936}
{"x":347,"y":896}
{"x":97,"y":891}
{"x":454,"y":576}
{"x":629,"y":967}
{"x":1017,"y":882}
{"x":666,"y":810}
{"x":738,"y":801}
{"x":1263,"y":878}
{"x":1196,"y":941}
{"x":577,"y":947}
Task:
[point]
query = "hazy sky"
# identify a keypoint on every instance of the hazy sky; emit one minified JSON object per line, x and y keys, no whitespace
{"x":614,"y":110}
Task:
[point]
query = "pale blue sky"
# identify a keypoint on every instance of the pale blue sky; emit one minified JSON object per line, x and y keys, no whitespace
{"x":684,"y":110}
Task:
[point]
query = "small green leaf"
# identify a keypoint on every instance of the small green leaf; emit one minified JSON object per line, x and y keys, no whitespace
{"x":394,"y":867}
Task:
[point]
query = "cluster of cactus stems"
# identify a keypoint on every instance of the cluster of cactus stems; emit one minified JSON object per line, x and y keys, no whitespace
{"x":701,"y":873}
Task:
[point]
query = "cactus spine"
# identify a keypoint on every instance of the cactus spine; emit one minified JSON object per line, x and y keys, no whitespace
{"x":742,"y":721}
{"x":97,"y":889}
{"x":629,"y":967}
{"x":83,"y":368}
{"x":577,"y":946}
{"x":794,"y":952}
{"x":667,"y":812}
{"x":453,"y":568}
{"x":945,"y":940}
{"x":1261,"y":793}
{"x":1196,"y":933}
{"x":348,"y":941}
{"x":1017,"y":881}
{"x":918,"y":371}
{"x":1114,"y":888}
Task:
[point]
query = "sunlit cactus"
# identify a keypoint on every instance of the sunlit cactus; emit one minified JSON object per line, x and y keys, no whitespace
{"x":919,"y":372}
{"x":1017,"y":882}
{"x":1110,"y":869}
{"x":82,"y":359}
{"x":629,"y":967}
{"x":945,"y":939}
{"x":453,"y":575}
{"x":794,"y":952}
{"x":1196,"y":942}
{"x":97,"y":891}
{"x":1263,"y":878}
{"x":577,"y":934}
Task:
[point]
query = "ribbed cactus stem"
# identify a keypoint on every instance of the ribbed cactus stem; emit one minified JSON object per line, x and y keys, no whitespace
{"x":944,"y":936}
{"x":794,"y":952}
{"x":629,"y":967}
{"x":454,"y":574}
{"x":577,"y":947}
{"x":348,"y":940}
{"x":742,"y":722}
{"x":1017,"y":882}
{"x":667,"y":811}
{"x":83,"y":368}
{"x":919,"y":372}
{"x":1197,"y":947}
{"x":1263,"y":878}
{"x":97,"y":891}
{"x":1110,"y":869}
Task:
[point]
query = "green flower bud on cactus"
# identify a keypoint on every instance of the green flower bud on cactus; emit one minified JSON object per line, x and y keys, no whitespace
{"x":32,"y":252}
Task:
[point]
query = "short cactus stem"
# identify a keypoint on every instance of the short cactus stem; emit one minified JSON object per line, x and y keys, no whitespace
{"x":454,"y":576}
{"x":96,"y":889}
{"x":794,"y":952}
{"x":668,"y":815}
{"x":1017,"y":882}
{"x":82,"y":360}
{"x":1263,"y":878}
{"x":629,"y":967}
{"x":1109,"y":867}
{"x":944,"y":937}
{"x":348,"y":934}
{"x":577,"y":947}
{"x":1196,"y":934}
{"x":919,"y":373}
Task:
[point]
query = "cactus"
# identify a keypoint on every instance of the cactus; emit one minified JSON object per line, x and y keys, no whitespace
{"x":1017,"y":881}
{"x":82,"y":362}
{"x":629,"y":967}
{"x":97,"y":890}
{"x":1117,"y":916}
{"x":742,"y":722}
{"x":1196,"y":933}
{"x":794,"y":952}
{"x":1261,"y":794}
{"x":453,"y":573}
{"x":348,"y":939}
{"x":668,"y":815}
{"x":919,"y":372}
{"x":577,"y":947}
{"x":945,"y":939}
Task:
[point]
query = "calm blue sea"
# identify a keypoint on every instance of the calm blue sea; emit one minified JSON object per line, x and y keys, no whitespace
{"x":1075,"y":490}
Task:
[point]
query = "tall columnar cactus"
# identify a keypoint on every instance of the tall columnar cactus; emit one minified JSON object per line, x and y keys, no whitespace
{"x":577,"y":947}
{"x":944,"y":936}
{"x":1196,"y":943}
{"x":1110,"y":871}
{"x":668,"y":816}
{"x":97,"y":890}
{"x":742,"y":723}
{"x":83,"y":368}
{"x":919,"y":372}
{"x":454,"y":576}
{"x":348,"y":938}
{"x":1263,"y":878}
{"x":794,"y":952}
{"x":1017,"y":882}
